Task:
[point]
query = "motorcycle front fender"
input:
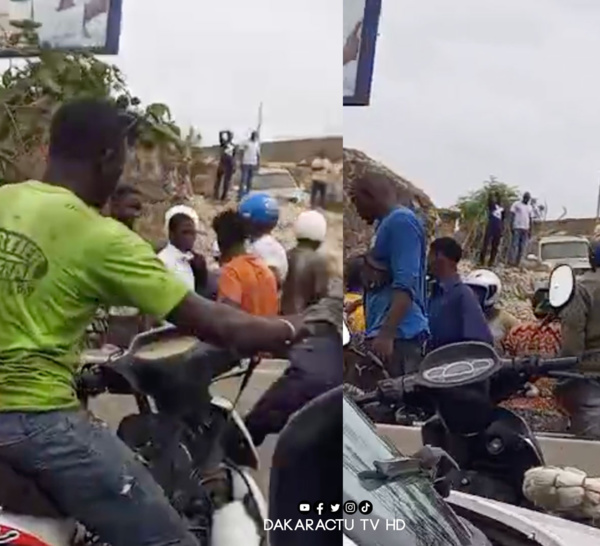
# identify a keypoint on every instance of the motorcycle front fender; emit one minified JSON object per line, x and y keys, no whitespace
{"x":240,"y":446}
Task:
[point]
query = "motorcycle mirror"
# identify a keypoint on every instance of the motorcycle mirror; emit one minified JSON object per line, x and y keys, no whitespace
{"x":561,"y":286}
{"x":345,"y":334}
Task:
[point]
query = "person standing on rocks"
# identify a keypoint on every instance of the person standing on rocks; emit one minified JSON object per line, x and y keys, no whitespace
{"x":394,"y":276}
{"x":226,"y":166}
{"x":493,"y":230}
{"x":580,"y":323}
{"x":250,"y":164}
{"x":322,"y":170}
{"x":521,"y":220}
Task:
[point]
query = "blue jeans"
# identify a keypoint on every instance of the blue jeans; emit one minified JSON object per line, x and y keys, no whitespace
{"x":518,"y":244}
{"x":246,"y":180}
{"x":91,"y":476}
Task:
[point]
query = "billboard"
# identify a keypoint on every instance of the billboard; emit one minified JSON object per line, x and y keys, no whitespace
{"x":361,"y":19}
{"x":73,"y":25}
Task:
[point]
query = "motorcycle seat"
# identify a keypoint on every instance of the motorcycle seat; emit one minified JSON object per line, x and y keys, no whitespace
{"x":20,"y":494}
{"x":179,"y":381}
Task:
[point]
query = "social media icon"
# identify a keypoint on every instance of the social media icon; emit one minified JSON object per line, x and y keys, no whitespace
{"x":365,"y":507}
{"x":335,"y":508}
{"x":320,"y":508}
{"x":304,"y":507}
{"x":350,"y":507}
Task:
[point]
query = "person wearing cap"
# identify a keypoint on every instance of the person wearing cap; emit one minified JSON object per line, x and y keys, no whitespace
{"x":580,"y":324}
{"x":315,"y":364}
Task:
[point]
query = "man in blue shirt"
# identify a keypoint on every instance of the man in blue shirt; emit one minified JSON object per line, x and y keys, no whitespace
{"x":394,"y":276}
{"x":454,"y":311}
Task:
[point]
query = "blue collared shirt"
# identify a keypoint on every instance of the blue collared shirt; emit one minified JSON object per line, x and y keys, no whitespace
{"x":399,"y":244}
{"x":455,"y":315}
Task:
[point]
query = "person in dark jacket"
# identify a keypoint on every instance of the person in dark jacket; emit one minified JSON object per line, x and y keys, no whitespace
{"x":493,"y":230}
{"x":226,"y":166}
{"x":454,"y":312}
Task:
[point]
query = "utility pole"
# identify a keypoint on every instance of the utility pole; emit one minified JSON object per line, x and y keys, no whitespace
{"x":260,"y":119}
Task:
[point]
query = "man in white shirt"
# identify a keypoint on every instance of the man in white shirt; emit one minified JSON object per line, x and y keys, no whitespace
{"x":322,"y":170}
{"x":521,"y":215}
{"x":250,"y":164}
{"x":182,"y":226}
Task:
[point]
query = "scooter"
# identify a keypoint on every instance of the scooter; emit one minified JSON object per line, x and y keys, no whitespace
{"x":195,"y":445}
{"x":492,"y":446}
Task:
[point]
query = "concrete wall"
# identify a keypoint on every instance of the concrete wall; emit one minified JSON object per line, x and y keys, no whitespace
{"x":571,"y":226}
{"x":294,"y":151}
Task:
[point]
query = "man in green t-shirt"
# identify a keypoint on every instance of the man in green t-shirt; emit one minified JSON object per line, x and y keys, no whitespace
{"x":60,"y":258}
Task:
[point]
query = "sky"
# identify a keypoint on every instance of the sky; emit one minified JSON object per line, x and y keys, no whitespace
{"x":467,"y":89}
{"x":213,"y":63}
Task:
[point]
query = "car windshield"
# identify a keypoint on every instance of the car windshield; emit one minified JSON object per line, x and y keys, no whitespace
{"x":273,"y":181}
{"x":564,"y":250}
{"x":427,"y":519}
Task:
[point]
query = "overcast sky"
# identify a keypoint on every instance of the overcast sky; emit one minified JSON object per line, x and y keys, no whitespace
{"x":465,"y":89}
{"x":213,"y":62}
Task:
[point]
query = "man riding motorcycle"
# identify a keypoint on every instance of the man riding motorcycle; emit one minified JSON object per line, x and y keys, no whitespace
{"x":59,"y":258}
{"x":316,"y":363}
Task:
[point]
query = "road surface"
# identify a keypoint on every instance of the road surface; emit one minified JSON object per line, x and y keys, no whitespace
{"x":112,"y":408}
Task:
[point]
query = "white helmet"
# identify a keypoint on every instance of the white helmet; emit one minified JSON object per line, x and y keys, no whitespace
{"x":488,"y":280}
{"x":311,"y":225}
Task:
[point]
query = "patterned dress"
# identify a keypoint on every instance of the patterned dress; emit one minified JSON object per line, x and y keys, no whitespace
{"x":544,"y":339}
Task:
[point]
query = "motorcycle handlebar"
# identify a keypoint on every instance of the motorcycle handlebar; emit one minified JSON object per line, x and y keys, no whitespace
{"x":367,"y":398}
{"x":541,"y":366}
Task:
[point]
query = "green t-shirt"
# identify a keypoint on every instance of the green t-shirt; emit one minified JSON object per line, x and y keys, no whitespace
{"x":60,"y":259}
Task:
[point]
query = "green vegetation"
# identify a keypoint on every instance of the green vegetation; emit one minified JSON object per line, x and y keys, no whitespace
{"x":32,"y":89}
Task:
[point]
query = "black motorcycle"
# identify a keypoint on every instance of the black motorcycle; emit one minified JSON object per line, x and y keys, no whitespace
{"x":195,"y":445}
{"x":465,"y":382}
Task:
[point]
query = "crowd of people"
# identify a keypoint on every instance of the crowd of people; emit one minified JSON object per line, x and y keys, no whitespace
{"x":68,"y":244}
{"x":520,"y":218}
{"x":408,"y":298}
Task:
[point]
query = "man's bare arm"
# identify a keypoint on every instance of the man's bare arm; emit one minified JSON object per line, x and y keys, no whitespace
{"x":227,"y":326}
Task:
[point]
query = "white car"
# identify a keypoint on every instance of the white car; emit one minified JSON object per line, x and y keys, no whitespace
{"x":279,"y":184}
{"x":422,"y":517}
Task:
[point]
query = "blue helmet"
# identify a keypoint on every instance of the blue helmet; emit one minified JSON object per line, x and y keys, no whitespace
{"x":260,"y":209}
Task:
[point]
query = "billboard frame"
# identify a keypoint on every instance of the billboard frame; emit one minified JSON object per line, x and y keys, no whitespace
{"x":111,"y":46}
{"x":366,"y":56}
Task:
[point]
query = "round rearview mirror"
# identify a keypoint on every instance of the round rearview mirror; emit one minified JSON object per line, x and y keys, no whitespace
{"x":561,"y":287}
{"x":345,"y":334}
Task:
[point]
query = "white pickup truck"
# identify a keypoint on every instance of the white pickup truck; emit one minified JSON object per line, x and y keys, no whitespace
{"x":561,"y":249}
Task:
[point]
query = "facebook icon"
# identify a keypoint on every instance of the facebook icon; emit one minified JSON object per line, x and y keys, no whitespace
{"x":320,"y":508}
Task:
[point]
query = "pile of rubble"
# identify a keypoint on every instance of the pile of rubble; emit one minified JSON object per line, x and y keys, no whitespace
{"x":518,"y":285}
{"x":357,"y":234}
